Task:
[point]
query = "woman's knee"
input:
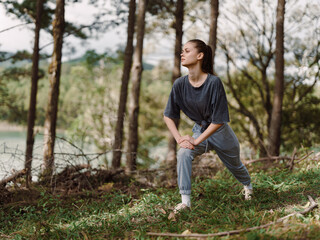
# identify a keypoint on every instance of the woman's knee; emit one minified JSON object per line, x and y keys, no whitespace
{"x":184,"y":154}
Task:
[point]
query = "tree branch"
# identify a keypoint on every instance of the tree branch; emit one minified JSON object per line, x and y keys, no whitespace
{"x":242,"y":109}
{"x":19,"y":25}
{"x":244,"y":72}
{"x":273,"y":158}
{"x":276,"y":158}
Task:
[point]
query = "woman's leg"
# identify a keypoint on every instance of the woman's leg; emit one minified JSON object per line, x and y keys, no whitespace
{"x":226,"y":145}
{"x":184,"y":166}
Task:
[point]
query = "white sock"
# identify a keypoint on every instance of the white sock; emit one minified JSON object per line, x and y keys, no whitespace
{"x":186,"y":199}
{"x":249,"y":186}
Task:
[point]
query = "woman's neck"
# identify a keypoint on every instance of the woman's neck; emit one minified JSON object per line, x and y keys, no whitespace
{"x":196,"y":75}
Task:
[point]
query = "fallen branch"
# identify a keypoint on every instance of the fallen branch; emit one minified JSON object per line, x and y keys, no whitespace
{"x":274,"y":158}
{"x":291,"y":164}
{"x":14,"y":176}
{"x":301,"y":159}
{"x":313,"y":205}
{"x":305,"y":157}
{"x":3,"y":236}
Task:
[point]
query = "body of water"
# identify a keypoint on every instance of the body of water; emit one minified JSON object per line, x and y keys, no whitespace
{"x":12,"y":153}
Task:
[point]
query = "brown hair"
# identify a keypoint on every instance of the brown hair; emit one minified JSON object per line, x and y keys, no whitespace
{"x":207,"y":64}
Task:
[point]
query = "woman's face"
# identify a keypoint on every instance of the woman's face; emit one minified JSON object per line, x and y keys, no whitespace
{"x":190,"y":55}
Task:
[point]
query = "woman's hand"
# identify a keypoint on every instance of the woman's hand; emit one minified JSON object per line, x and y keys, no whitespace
{"x":187,"y":138}
{"x":186,"y":142}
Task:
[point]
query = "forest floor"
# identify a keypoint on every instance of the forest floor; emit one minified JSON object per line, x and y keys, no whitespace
{"x":122,"y":207}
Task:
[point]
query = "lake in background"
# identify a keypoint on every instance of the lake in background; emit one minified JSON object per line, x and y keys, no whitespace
{"x":12,"y":150}
{"x":13,"y":145}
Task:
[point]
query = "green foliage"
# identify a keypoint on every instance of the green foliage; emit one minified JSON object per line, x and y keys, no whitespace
{"x":26,"y":11}
{"x":19,"y":56}
{"x":301,"y":124}
{"x":300,"y":110}
{"x":92,"y":58}
{"x":218,"y":205}
{"x":88,"y":100}
{"x":13,"y":91}
{"x":249,"y":47}
{"x":155,"y":88}
{"x":91,"y":100}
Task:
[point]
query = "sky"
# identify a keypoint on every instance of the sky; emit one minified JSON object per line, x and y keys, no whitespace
{"x":155,"y":49}
{"x":21,"y":38}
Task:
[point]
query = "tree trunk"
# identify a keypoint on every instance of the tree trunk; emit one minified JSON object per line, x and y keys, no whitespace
{"x":275,"y":124}
{"x":52,"y":107}
{"x":33,"y":94}
{"x":135,"y":91}
{"x":179,"y":13}
{"x":213,"y":28}
{"x":118,"y":135}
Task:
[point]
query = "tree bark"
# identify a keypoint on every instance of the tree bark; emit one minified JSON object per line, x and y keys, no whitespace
{"x":52,"y":107}
{"x":275,"y":124}
{"x":133,"y":139}
{"x":118,"y":136}
{"x":179,"y":14}
{"x":213,"y":28}
{"x":33,"y":94}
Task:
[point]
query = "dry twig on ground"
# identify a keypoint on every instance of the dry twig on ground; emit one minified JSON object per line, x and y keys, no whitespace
{"x":293,"y":159}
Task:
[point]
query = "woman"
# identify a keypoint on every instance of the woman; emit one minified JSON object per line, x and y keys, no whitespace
{"x":201,"y":96}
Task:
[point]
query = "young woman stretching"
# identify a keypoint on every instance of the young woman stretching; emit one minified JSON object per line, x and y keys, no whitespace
{"x":201,"y":96}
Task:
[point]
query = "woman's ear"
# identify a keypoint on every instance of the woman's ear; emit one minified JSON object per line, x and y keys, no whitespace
{"x":200,"y":56}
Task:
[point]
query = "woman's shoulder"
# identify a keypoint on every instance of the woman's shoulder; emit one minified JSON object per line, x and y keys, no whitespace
{"x":214,"y":80}
{"x":180,"y":81}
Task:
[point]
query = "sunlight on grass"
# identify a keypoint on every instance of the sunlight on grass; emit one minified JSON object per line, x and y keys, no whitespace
{"x":140,"y":207}
{"x":217,"y":206}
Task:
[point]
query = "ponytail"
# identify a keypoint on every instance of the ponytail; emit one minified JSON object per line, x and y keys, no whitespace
{"x":207,"y":63}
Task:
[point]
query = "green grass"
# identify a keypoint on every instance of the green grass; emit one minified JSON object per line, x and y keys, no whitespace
{"x":218,"y":205}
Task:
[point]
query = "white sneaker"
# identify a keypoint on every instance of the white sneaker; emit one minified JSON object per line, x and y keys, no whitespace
{"x":247,"y":192}
{"x":180,"y":207}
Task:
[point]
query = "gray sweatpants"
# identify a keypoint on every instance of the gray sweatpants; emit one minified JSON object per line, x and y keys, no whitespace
{"x":225,"y":143}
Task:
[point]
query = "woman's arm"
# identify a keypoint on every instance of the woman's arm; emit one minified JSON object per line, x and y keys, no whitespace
{"x":207,"y":133}
{"x":174,"y":131}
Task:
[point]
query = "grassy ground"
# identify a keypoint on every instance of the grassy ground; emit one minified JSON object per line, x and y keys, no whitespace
{"x":131,"y":211}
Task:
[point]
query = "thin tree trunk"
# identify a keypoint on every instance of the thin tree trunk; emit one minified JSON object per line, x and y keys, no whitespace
{"x":133,"y":139}
{"x":52,"y":107}
{"x":179,"y":13}
{"x":33,"y":94}
{"x":213,"y":28}
{"x":118,"y":136}
{"x":275,"y":124}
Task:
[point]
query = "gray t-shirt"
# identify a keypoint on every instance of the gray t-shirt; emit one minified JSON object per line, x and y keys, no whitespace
{"x":204,"y":105}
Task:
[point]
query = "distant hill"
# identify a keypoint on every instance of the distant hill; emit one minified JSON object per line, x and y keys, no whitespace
{"x":23,"y":63}
{"x":8,"y":63}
